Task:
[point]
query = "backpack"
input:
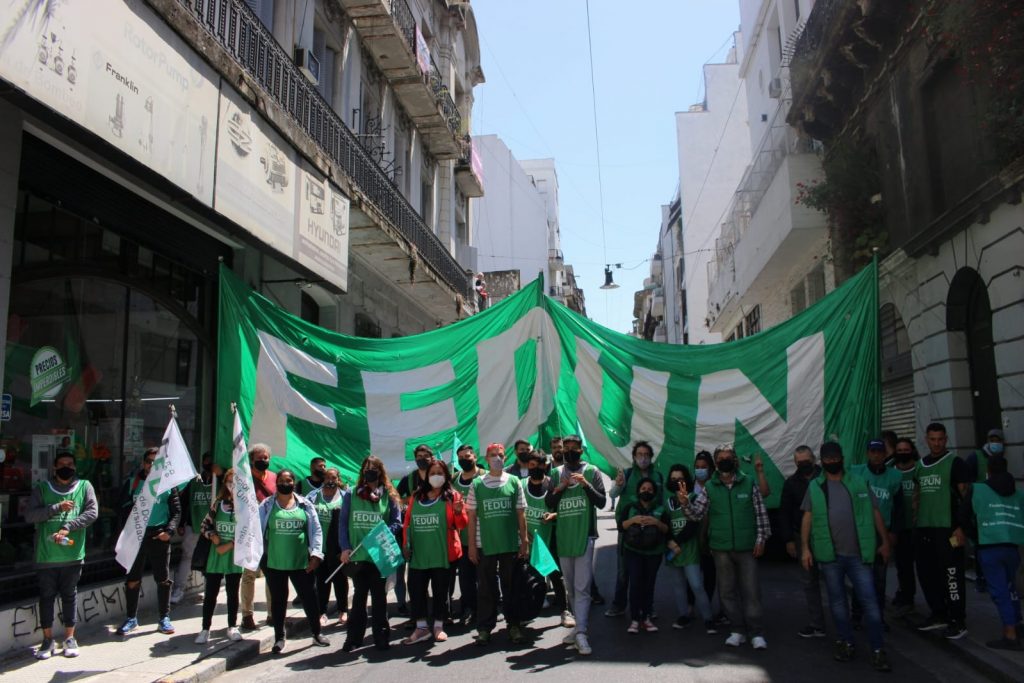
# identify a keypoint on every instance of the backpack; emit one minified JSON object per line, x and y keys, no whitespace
{"x":527,"y":589}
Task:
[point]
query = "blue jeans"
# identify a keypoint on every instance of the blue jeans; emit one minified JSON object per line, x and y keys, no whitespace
{"x":860,"y":576}
{"x":689,"y":575}
{"x":1000,"y":566}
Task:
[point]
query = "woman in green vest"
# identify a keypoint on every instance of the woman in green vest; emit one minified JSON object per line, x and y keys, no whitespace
{"x":435,"y":509}
{"x":327,"y":500}
{"x":997,"y":509}
{"x":372,"y":500}
{"x":218,"y":527}
{"x":683,"y":557}
{"x":643,"y":529}
{"x":292,"y":551}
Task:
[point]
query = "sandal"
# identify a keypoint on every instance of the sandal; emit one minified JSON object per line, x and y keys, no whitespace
{"x":417,"y":636}
{"x":439,"y":635}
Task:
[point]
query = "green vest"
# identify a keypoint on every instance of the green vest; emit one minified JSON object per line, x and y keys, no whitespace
{"x":1000,"y":519}
{"x":576,"y":517}
{"x":324,"y":509}
{"x":287,"y":549}
{"x":463,"y":490}
{"x":863,"y":518}
{"x":428,"y":535}
{"x":886,"y":486}
{"x":363,"y":515}
{"x":690,"y":550}
{"x":224,"y":527}
{"x":47,"y":551}
{"x":732,"y":522}
{"x":907,"y":478}
{"x":632,"y":476}
{"x":982,"y":459}
{"x":935,"y":488}
{"x":535,"y":511}
{"x":200,"y":500}
{"x":496,"y":512}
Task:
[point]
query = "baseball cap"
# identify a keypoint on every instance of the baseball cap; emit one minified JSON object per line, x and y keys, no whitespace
{"x":876,"y":445}
{"x":996,"y":433}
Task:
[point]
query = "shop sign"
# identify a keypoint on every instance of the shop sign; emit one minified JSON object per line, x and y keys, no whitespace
{"x":117,"y":69}
{"x":47,"y":374}
{"x":5,"y":409}
{"x":322,"y":228}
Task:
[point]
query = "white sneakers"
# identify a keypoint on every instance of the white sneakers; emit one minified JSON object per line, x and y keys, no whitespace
{"x":582,"y":644}
{"x":570,"y":638}
{"x":568,"y":620}
{"x":203,"y":638}
{"x":759,"y":643}
{"x":233,"y":633}
{"x":735,"y":639}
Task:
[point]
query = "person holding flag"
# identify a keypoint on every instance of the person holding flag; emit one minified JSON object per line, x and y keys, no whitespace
{"x":436,"y":508}
{"x":293,"y":547}
{"x":61,"y":509}
{"x":497,"y":530}
{"x":540,"y":520}
{"x":218,"y":527}
{"x":197,"y":499}
{"x":372,"y":500}
{"x":152,"y":545}
{"x":264,"y":486}
{"x":577,"y":496}
{"x":327,"y":500}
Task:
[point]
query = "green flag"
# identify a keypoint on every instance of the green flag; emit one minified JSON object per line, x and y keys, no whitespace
{"x":540,"y":557}
{"x":529,"y":366}
{"x":383,"y":549}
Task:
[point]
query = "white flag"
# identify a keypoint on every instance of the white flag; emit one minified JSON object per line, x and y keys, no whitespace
{"x":171,"y":468}
{"x":248,"y":534}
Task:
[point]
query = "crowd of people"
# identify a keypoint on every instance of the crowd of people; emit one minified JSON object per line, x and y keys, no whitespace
{"x":473,"y":525}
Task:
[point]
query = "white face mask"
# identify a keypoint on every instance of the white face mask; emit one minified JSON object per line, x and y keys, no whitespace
{"x":495,"y":461}
{"x":436,"y":480}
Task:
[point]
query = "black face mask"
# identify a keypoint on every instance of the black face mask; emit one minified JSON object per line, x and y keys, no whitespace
{"x":572,"y":458}
{"x":65,"y":473}
{"x":536,"y":473}
{"x":207,"y":467}
{"x":371,"y":476}
{"x":316,"y":475}
{"x":467,"y":465}
{"x":423,"y":464}
{"x":877,"y":469}
{"x":673,"y":485}
{"x":330,"y":485}
{"x":834,"y":467}
{"x":285,"y":489}
{"x":904,"y":457}
{"x":262,"y":465}
{"x":727,"y":466}
{"x":804,"y":468}
{"x":646,"y":496}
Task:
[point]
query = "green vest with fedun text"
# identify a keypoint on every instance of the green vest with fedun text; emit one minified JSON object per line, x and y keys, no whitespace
{"x":732,"y":522}
{"x":496,"y":512}
{"x":863,"y":518}
{"x":886,"y":486}
{"x":536,"y":508}
{"x":576,"y":516}
{"x":1000,"y":519}
{"x":935,"y":491}
{"x":363,"y":515}
{"x":428,"y":535}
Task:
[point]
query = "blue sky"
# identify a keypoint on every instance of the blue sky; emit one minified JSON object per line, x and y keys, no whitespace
{"x":648,"y":60}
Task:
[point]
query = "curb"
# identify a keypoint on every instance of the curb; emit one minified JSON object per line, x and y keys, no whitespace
{"x":988,"y":663}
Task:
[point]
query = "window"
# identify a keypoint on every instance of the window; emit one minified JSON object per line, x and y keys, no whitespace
{"x":815,"y":285}
{"x":264,"y":9}
{"x":798,"y":298}
{"x":309,"y":309}
{"x":366,"y":326}
{"x":753,"y":320}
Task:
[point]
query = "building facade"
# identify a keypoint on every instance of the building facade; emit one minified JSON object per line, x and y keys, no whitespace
{"x":924,"y":161}
{"x":317,"y":149}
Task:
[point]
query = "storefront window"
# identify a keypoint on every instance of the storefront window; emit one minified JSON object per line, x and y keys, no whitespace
{"x":92,"y":366}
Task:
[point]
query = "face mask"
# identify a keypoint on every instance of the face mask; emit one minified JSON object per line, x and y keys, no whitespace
{"x":262,"y":465}
{"x":833,"y":467}
{"x":330,"y":485}
{"x":495,"y":461}
{"x":467,"y":465}
{"x":436,"y":480}
{"x":643,"y":462}
{"x":317,"y":474}
{"x":877,"y":469}
{"x":804,"y":468}
{"x":285,"y":489}
{"x":903,"y":456}
{"x":536,"y":473}
{"x":65,"y":473}
{"x":701,"y":473}
{"x":646,"y":496}
{"x":727,"y":466}
{"x":423,"y":463}
{"x":207,"y":467}
{"x":673,"y":485}
{"x":995,"y":448}
{"x":572,"y":458}
{"x":371,"y":476}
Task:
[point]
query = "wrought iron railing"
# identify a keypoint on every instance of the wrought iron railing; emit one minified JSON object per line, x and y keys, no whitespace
{"x":452,"y":115}
{"x":819,"y":22}
{"x":405,"y":21}
{"x":241,"y":33}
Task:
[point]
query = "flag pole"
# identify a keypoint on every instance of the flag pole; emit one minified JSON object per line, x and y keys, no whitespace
{"x":351,"y":552}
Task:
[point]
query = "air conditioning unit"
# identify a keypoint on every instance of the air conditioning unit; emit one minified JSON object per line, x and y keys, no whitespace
{"x":308,"y":64}
{"x":775,"y":88}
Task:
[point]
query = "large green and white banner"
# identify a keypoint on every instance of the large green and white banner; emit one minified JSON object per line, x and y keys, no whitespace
{"x":530,"y":368}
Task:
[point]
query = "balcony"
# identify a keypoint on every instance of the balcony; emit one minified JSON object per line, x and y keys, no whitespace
{"x":469,"y":171}
{"x":386,"y":231}
{"x":398,"y":48}
{"x":765,"y":233}
{"x":558,"y":291}
{"x":555,"y":257}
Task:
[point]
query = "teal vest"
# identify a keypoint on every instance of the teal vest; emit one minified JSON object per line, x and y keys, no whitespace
{"x":863,"y":517}
{"x":1000,"y":520}
{"x":886,"y":486}
{"x":935,"y":493}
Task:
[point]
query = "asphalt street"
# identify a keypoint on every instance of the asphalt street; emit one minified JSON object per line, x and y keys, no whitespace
{"x":688,"y":655}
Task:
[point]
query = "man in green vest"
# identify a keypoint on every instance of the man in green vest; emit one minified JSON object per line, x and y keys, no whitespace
{"x":61,"y":509}
{"x":197,"y":499}
{"x":941,"y":481}
{"x":905,"y":459}
{"x":840,"y":528}
{"x":469,"y":472}
{"x":497,"y":532}
{"x":738,"y":529}
{"x":997,"y":509}
{"x":576,"y":497}
{"x":887,"y":486}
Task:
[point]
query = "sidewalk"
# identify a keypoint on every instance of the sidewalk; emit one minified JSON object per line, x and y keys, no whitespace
{"x":983,"y":625}
{"x":147,"y":655}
